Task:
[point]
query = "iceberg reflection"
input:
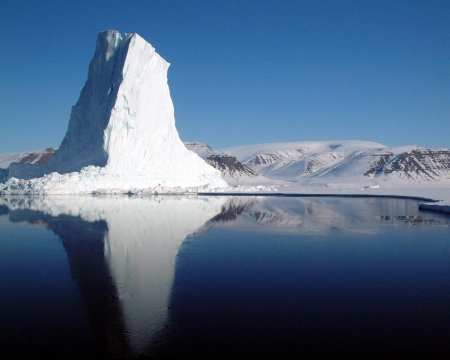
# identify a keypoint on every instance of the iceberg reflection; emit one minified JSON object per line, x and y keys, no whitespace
{"x":122,"y":254}
{"x":141,"y":245}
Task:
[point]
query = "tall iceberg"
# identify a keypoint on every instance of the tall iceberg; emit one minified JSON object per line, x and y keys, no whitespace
{"x":121,"y":133}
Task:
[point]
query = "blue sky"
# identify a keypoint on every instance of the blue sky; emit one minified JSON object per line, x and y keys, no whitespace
{"x":242,"y":72}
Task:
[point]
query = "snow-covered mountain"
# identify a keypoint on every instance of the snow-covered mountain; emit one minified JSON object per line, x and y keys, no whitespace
{"x":36,"y":157}
{"x":233,"y":171}
{"x":286,"y":161}
{"x":330,"y":164}
{"x":121,"y":134}
{"x":346,"y":162}
{"x":202,"y":150}
{"x":412,"y":164}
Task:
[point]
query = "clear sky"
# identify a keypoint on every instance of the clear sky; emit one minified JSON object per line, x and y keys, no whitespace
{"x":242,"y":72}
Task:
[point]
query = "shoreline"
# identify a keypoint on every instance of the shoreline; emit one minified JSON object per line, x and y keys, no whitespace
{"x":429,"y":203}
{"x":419,"y":198}
{"x":445,"y":209}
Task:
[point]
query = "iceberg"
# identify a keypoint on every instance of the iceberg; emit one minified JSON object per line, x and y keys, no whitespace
{"x":121,"y":135}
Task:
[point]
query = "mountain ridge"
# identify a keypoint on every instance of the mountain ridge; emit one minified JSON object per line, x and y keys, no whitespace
{"x":321,"y":163}
{"x":348,"y":161}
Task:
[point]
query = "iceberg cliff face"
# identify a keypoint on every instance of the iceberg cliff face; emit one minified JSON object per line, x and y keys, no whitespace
{"x":83,"y":144}
{"x":124,"y":124}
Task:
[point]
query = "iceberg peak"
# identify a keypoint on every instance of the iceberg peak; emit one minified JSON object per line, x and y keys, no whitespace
{"x":124,"y":122}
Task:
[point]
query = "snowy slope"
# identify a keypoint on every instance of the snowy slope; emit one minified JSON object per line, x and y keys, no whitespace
{"x":403,"y":166}
{"x":247,"y":152}
{"x":202,"y":150}
{"x":122,"y":129}
{"x":358,"y":163}
{"x":36,"y":157}
{"x":287,"y":161}
{"x":232,"y":170}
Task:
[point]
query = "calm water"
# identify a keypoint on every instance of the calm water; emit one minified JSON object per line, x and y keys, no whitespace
{"x":227,"y":277}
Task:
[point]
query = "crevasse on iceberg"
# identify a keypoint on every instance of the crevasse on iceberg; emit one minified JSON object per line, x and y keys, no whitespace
{"x":122,"y":129}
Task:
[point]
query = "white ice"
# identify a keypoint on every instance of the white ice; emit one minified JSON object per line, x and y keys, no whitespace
{"x":122,"y":128}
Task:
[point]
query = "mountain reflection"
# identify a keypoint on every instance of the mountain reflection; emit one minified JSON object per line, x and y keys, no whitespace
{"x":319,"y":216}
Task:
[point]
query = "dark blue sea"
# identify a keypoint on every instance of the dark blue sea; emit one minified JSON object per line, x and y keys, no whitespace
{"x":204,"y":277}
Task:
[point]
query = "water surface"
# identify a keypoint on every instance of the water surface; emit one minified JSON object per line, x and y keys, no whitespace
{"x":228,"y":277}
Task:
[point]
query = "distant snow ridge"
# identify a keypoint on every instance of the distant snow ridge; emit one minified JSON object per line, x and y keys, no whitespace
{"x":26,"y":164}
{"x":291,"y":160}
{"x":33,"y":158}
{"x":233,"y":171}
{"x":415,"y":164}
{"x":353,"y":163}
{"x":122,"y":129}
